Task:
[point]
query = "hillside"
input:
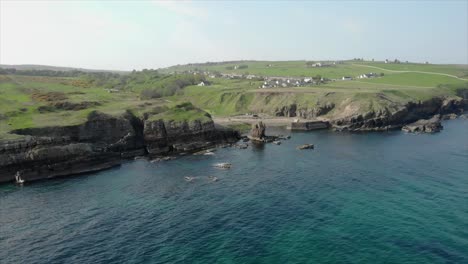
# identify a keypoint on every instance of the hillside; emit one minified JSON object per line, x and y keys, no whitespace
{"x":38,"y":101}
{"x":329,"y":70}
{"x":23,"y":67}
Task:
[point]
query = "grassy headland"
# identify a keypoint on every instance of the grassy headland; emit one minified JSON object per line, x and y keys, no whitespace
{"x":47,"y":98}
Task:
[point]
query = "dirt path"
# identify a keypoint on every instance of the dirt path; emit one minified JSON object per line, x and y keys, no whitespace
{"x":269,"y":121}
{"x":435,"y":73}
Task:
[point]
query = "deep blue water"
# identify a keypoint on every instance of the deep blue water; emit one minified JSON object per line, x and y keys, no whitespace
{"x":357,"y":198}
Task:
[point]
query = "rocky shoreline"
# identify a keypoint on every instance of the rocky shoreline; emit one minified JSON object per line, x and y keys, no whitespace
{"x":396,"y":119}
{"x":102,"y":142}
{"x":390,"y":118}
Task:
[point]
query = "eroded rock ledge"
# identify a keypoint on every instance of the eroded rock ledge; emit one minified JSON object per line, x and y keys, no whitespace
{"x":388,"y":119}
{"x":431,"y":125}
{"x":103,"y":141}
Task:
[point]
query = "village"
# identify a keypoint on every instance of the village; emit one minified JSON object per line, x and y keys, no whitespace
{"x":282,"y":82}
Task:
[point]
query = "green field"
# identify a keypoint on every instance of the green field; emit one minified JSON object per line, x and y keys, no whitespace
{"x":35,"y":101}
{"x":300,"y":69}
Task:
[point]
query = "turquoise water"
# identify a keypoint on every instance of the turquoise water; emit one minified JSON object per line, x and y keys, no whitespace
{"x":357,"y":198}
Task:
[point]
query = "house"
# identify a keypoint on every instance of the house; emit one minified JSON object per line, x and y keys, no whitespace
{"x":386,"y":60}
{"x":368,"y":75}
{"x":308,"y":80}
{"x":346,"y":78}
{"x":201,"y":84}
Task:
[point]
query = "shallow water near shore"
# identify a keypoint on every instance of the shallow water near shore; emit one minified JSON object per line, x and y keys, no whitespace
{"x":357,"y":198}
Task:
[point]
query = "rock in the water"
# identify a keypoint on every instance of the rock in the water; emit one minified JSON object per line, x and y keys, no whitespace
{"x":306,"y":146}
{"x":424,"y":126}
{"x":258,"y":131}
{"x":449,"y":116}
{"x":242,"y":146}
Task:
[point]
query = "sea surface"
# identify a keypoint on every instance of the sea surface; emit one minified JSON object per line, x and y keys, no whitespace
{"x":357,"y":198}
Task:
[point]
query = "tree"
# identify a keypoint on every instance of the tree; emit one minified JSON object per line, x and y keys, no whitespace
{"x":317,"y":78}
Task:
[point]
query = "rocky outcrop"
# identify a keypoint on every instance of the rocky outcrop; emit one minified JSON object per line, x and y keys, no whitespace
{"x":101,"y":142}
{"x":307,"y":113}
{"x":163,"y":137}
{"x":308,"y":125}
{"x":387,"y":119}
{"x":431,"y":125}
{"x":305,"y":146}
{"x":258,"y":131}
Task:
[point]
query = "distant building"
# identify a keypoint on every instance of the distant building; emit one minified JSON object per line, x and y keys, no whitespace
{"x":201,"y":84}
{"x":367,"y":75}
{"x":347,"y":78}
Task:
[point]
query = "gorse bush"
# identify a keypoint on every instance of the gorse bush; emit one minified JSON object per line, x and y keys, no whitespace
{"x":170,"y":85}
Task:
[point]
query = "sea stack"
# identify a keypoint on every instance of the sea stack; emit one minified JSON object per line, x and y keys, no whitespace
{"x":257,"y":133}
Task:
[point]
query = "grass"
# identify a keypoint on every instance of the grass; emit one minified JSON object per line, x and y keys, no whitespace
{"x":280,"y":68}
{"x":182,"y":112}
{"x":225,"y":97}
{"x":299,"y":69}
{"x":415,"y":79}
{"x":457,"y":70}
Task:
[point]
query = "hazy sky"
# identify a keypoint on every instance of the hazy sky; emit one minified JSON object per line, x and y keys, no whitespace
{"x":125,"y":35}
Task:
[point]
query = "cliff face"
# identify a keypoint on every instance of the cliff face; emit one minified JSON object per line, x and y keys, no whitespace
{"x":390,"y":119}
{"x":162,"y":136}
{"x":307,"y":113}
{"x":101,"y":142}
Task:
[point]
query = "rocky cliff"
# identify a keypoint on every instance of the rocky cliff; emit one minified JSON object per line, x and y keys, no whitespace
{"x":397,"y":117}
{"x":431,"y":125}
{"x":101,"y":142}
{"x":163,"y":136}
{"x":352,"y":118}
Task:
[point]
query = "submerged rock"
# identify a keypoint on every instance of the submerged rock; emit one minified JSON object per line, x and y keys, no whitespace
{"x":306,"y":146}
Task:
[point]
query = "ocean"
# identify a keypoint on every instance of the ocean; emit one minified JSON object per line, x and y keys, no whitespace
{"x":386,"y":197}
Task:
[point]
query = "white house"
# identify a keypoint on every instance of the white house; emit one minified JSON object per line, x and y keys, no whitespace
{"x":346,"y":78}
{"x":201,"y":84}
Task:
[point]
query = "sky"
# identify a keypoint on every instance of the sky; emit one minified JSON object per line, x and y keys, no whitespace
{"x":126,"y":35}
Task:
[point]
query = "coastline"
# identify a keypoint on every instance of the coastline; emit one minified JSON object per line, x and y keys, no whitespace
{"x":105,"y":141}
{"x":102,"y":142}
